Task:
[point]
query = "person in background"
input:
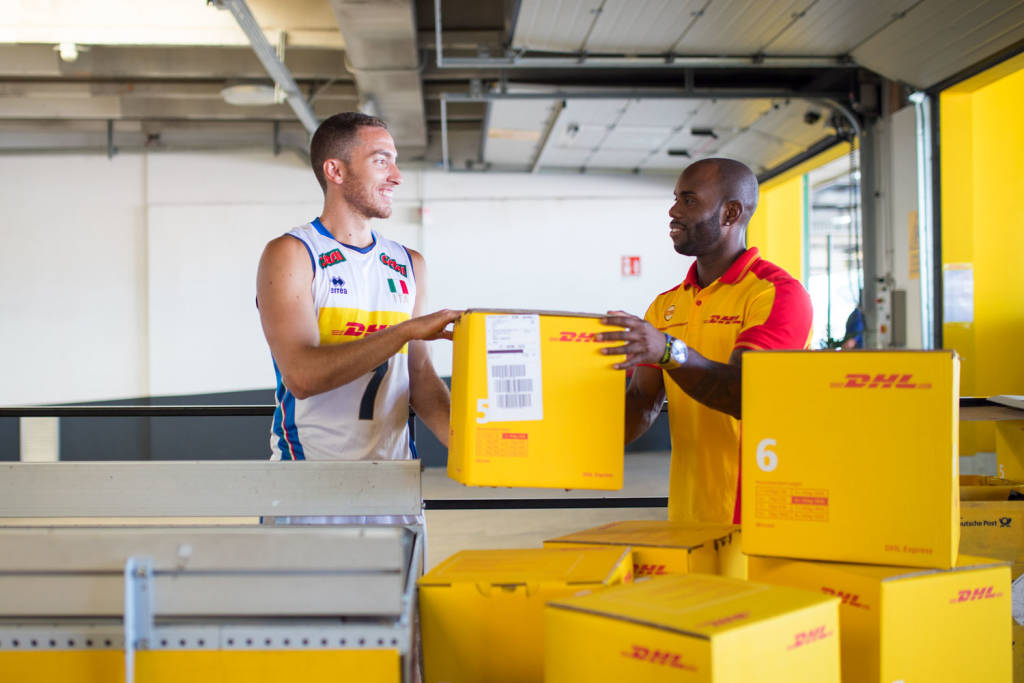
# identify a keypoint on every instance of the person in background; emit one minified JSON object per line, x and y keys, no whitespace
{"x":690,"y":344}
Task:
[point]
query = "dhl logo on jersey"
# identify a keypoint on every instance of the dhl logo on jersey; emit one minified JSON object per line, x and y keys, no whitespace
{"x":725,"y":320}
{"x":343,"y":325}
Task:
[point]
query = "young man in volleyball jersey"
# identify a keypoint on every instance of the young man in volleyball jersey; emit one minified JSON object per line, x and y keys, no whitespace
{"x":342,"y":310}
{"x":691,"y":343}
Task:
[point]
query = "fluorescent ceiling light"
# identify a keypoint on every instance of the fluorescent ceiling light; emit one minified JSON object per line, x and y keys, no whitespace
{"x":249,"y":94}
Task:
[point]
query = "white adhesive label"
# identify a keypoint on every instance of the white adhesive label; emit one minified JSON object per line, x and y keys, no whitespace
{"x":1017,"y":600}
{"x":513,"y":368}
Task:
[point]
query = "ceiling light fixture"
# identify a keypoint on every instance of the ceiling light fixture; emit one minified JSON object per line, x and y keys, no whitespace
{"x":249,"y":94}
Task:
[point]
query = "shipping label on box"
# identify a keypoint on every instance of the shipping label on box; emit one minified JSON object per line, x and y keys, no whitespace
{"x":660,"y":547}
{"x":481,"y":611}
{"x":534,"y":402}
{"x":851,"y":456}
{"x":909,"y":624}
{"x":693,"y":627}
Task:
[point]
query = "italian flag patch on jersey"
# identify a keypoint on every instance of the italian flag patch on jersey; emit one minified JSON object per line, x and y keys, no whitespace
{"x":400,"y":284}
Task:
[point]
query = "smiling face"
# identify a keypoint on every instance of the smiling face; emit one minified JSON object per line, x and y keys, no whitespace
{"x":371,"y":173}
{"x":696,"y":215}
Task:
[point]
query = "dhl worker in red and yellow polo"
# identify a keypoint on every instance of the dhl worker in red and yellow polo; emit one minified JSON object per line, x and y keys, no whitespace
{"x":691,"y":342}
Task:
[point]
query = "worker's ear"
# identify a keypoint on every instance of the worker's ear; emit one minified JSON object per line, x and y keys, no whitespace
{"x":334,"y":171}
{"x":732,"y":212}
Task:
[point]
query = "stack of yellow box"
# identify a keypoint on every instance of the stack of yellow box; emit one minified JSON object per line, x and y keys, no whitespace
{"x":850,"y":460}
{"x":481,"y":611}
{"x":664,"y":547}
{"x":534,"y":402}
{"x":693,"y":627}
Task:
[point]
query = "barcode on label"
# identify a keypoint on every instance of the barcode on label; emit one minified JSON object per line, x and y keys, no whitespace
{"x":508,"y":371}
{"x":514,"y":401}
{"x":512,"y":386}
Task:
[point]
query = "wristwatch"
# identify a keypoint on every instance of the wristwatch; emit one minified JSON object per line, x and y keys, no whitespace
{"x":675,"y":353}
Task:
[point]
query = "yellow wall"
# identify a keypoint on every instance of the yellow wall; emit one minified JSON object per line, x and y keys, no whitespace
{"x":777,"y":227}
{"x":982,"y":184}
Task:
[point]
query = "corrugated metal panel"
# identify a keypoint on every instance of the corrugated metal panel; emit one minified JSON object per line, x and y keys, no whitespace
{"x":740,"y":26}
{"x":560,"y":25}
{"x":514,"y":130}
{"x":562,"y":157}
{"x":591,"y":111}
{"x":729,"y":113}
{"x":837,"y":26}
{"x":659,"y":112}
{"x":616,"y":158}
{"x":939,"y":38}
{"x":761,"y":150}
{"x":644,"y":138}
{"x":786,"y":122}
{"x":571,"y":135}
{"x":649,"y":26}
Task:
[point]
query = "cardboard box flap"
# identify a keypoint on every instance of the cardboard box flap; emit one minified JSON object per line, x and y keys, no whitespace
{"x":978,"y":487}
{"x":529,"y":566}
{"x":698,"y":605}
{"x":528,"y":311}
{"x":651,"y":533}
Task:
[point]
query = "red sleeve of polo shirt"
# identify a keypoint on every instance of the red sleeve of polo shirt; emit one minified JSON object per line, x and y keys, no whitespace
{"x":779,"y":316}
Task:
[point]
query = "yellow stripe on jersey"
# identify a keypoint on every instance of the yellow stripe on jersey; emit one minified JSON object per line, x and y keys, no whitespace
{"x":343,"y":325}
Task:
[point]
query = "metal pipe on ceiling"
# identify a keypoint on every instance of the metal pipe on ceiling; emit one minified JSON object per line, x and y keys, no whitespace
{"x":267,"y":55}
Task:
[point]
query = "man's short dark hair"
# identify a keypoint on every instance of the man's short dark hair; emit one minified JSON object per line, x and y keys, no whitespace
{"x":333,"y":140}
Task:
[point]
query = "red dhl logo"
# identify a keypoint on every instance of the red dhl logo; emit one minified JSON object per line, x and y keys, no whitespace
{"x":725,"y":320}
{"x":807,"y":637}
{"x":354,"y":329}
{"x":848,"y":599}
{"x":986,"y":593}
{"x":858,"y":381}
{"x":648,"y":569}
{"x":673,"y":660}
{"x":722,"y":621}
{"x":574,"y":337}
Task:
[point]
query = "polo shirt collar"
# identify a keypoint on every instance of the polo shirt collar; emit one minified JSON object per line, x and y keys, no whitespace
{"x":733,"y":275}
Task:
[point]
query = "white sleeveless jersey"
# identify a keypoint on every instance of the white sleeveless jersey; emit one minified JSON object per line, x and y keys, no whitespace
{"x":356,"y":291}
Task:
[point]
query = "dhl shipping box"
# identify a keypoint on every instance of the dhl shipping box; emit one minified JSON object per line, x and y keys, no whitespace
{"x":481,"y":611}
{"x":534,"y":402}
{"x":661,"y":547}
{"x":693,"y":627}
{"x":911,"y":624}
{"x":992,"y":525}
{"x":852,"y":456}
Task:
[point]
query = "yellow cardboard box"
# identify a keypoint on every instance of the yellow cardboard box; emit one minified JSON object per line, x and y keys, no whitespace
{"x":660,"y":547}
{"x":534,"y":403}
{"x":830,"y":442}
{"x":693,"y":627}
{"x":992,"y":525}
{"x":908,"y":624}
{"x":1010,"y":448}
{"x":481,"y":611}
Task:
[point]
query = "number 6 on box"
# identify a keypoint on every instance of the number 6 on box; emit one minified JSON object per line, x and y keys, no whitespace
{"x":767,"y":461}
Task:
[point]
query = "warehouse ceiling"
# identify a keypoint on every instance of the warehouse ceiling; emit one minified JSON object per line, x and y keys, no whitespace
{"x":586,"y":85}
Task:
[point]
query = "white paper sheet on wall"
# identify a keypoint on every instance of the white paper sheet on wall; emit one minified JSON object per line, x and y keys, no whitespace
{"x":513,"y":368}
{"x":958,"y":293}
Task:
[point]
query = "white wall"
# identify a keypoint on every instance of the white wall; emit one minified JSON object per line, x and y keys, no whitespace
{"x":135,"y":275}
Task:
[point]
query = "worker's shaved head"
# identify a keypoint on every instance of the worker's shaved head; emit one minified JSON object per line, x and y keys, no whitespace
{"x":732,"y":179}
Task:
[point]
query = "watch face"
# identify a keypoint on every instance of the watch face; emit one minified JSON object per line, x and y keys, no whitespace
{"x":678,"y":351}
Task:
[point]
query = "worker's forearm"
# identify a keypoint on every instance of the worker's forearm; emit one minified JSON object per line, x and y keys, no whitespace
{"x":716,"y":385}
{"x":641,"y":412}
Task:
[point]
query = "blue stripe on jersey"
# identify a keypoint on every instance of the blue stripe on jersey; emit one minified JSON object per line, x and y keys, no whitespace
{"x":412,"y":267}
{"x":284,"y":422}
{"x":320,"y":228}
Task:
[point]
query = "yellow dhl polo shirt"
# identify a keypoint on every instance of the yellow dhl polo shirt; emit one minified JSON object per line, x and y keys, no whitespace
{"x":754,"y":305}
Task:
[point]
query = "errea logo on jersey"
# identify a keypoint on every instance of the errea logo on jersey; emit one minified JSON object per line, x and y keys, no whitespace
{"x":394,"y":265}
{"x":331,"y":257}
{"x":881,"y":381}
